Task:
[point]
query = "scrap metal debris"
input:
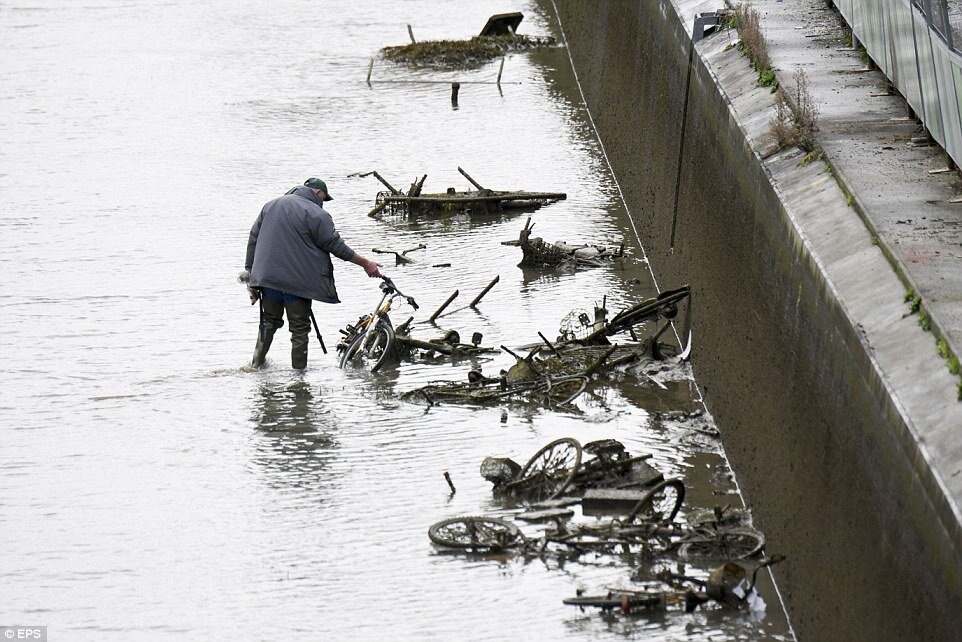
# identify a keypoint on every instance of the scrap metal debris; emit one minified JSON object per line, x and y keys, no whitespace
{"x":498,"y":37}
{"x":560,"y":468}
{"x":651,"y":524}
{"x":555,"y":381}
{"x":538,"y":253}
{"x":478,"y":202}
{"x":400,"y":258}
{"x":731,"y":585}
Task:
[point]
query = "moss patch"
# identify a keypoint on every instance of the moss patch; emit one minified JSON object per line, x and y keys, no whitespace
{"x":459,"y":54}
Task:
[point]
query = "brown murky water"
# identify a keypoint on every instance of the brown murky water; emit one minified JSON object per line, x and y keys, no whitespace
{"x":150,"y":487}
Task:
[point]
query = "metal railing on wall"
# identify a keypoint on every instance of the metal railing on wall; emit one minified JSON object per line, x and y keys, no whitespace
{"x":918,"y":45}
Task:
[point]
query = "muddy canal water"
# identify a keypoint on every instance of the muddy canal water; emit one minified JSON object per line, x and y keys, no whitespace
{"x":151,"y":487}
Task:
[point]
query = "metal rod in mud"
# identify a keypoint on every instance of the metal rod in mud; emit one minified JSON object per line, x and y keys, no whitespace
{"x":403,"y":328}
{"x":487,"y":289}
{"x":447,"y":478}
{"x":628,"y":358}
{"x":601,"y":360}
{"x":548,"y":343}
{"x":427,"y":346}
{"x":512,"y":353}
{"x":470,"y":180}
{"x":444,"y":305}
{"x":500,"y":69}
{"x":378,"y":208}
{"x":380,"y":178}
{"x":411,"y":35}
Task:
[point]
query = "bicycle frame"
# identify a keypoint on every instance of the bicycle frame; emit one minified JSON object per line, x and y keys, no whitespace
{"x":380,"y":311}
{"x":389,"y":292}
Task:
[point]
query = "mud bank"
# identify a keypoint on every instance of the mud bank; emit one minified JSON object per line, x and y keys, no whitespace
{"x":799,"y":335}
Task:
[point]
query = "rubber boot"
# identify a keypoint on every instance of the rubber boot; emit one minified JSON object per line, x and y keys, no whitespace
{"x":271,"y":320}
{"x":299,"y":321}
{"x":264,"y":338}
{"x":299,"y":353}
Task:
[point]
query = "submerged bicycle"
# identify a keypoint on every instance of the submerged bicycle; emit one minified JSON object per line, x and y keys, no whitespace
{"x":370,"y":342}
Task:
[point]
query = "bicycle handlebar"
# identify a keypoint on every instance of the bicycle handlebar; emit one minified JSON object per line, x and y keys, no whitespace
{"x":410,"y":299}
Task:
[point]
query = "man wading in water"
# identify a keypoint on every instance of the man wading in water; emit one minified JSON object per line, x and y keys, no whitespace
{"x":289,"y":263}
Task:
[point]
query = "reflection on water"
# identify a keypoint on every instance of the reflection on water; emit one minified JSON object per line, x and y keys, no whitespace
{"x":294,"y":442}
{"x":150,"y":487}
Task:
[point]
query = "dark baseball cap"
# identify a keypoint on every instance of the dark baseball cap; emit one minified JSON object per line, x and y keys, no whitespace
{"x":316,"y":183}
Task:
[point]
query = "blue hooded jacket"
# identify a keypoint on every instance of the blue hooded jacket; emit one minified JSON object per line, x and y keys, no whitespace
{"x":291,"y":244}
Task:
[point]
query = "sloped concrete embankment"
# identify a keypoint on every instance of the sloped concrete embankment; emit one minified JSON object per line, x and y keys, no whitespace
{"x":798,"y":325}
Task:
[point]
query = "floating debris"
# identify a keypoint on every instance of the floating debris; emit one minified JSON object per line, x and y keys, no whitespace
{"x":538,"y":253}
{"x":554,"y":382}
{"x":400,"y":258}
{"x":499,"y":470}
{"x":479,"y":202}
{"x":596,"y":332}
{"x":731,"y":585}
{"x":497,"y":38}
{"x":449,"y":345}
{"x":374,"y":342}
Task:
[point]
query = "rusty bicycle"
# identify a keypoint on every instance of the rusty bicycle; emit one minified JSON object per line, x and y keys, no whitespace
{"x":370,"y":341}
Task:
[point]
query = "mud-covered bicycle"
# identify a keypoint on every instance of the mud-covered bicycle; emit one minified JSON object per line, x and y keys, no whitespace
{"x":370,"y":341}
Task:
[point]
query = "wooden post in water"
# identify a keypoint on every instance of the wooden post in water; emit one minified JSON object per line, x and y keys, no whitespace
{"x":370,"y":68}
{"x":455,"y":88}
{"x":411,"y":34}
{"x":500,"y":69}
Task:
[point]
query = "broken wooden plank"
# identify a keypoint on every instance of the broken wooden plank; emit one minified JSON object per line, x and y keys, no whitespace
{"x":546,"y":515}
{"x":610,"y":501}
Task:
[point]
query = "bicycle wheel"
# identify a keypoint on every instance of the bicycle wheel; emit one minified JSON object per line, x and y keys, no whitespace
{"x":475,"y":533}
{"x":565,"y":391}
{"x":661,"y":503}
{"x":376,"y":349}
{"x":550,"y":471}
{"x":730,"y":544}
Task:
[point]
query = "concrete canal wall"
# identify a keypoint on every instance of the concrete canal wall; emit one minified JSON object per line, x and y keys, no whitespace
{"x":838,"y":417}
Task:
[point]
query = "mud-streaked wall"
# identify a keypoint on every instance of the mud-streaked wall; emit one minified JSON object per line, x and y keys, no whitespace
{"x":811,"y":434}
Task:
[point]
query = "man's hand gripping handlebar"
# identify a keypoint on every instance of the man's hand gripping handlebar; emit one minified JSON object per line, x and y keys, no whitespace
{"x":388,"y":285}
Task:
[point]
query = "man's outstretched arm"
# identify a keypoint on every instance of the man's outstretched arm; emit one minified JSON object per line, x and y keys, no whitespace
{"x":370,"y":267}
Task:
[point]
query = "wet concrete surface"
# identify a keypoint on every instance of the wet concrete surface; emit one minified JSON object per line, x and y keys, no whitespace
{"x":831,"y":403}
{"x":868,"y":139}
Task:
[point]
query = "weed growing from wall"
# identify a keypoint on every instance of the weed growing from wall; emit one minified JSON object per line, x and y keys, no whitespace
{"x":914,"y":302}
{"x":796,"y":115}
{"x":745,"y":20}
